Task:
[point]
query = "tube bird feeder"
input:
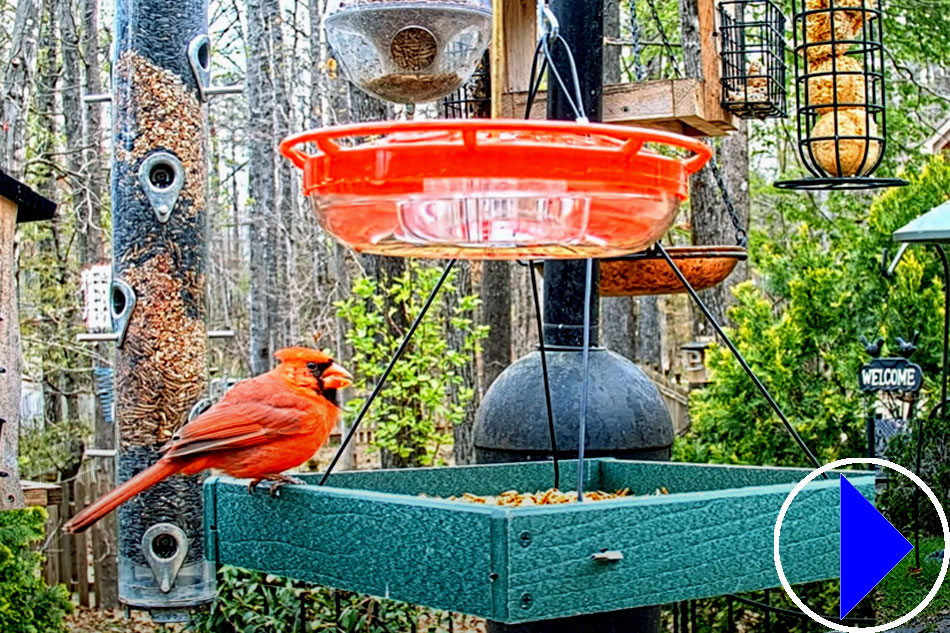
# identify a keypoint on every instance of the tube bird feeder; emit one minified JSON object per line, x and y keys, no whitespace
{"x":159,"y":180}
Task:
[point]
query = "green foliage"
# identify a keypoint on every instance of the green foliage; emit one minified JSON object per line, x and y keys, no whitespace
{"x":900,"y":592}
{"x":27,"y":604}
{"x":253,"y":602}
{"x":55,"y":448}
{"x":425,"y":390}
{"x":898,"y":498}
{"x":797,"y":325}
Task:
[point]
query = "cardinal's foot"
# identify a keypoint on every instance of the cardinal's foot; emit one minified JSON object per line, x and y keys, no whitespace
{"x":279,"y":481}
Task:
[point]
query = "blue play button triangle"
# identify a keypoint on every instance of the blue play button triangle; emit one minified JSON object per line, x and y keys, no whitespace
{"x":870,"y":547}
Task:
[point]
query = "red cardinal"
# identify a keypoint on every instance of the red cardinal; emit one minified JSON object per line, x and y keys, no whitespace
{"x":260,"y":428}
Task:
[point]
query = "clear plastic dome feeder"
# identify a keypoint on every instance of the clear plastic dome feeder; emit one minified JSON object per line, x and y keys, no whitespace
{"x":495,"y":189}
{"x":409,"y":51}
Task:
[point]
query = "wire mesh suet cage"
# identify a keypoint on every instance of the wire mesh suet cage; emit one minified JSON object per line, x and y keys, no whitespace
{"x":753,"y":58}
{"x":840,"y":93}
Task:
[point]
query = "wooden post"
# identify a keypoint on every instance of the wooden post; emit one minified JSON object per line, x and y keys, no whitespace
{"x":160,"y":67}
{"x":18,"y":203}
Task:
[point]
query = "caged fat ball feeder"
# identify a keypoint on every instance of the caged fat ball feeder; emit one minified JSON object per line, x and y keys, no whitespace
{"x":752,"y":35}
{"x":409,"y":51}
{"x":840,"y":91}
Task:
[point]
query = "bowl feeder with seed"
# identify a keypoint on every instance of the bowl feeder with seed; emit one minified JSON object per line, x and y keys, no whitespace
{"x":495,"y":189}
{"x":395,"y":534}
{"x":648,"y":273}
{"x":409,"y":51}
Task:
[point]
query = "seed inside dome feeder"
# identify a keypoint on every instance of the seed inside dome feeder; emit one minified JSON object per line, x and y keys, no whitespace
{"x":409,"y":51}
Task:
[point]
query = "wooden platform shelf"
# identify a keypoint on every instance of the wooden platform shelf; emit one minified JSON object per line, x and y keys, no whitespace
{"x":676,"y":105}
{"x":371,"y":532}
{"x":41,"y":494}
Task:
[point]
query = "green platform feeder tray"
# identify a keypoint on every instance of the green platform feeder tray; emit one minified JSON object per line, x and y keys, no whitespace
{"x":371,"y":532}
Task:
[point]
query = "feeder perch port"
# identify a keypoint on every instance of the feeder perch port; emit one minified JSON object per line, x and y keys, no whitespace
{"x":712,"y":535}
{"x":414,"y":51}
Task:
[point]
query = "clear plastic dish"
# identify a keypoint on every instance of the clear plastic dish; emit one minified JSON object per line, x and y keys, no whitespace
{"x":409,"y":51}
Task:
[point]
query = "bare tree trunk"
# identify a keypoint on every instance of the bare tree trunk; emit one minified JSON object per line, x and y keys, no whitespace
{"x":496,"y":314}
{"x":651,"y":322}
{"x":17,"y":86}
{"x":328,"y":99}
{"x":89,"y":217}
{"x":463,"y":446}
{"x":618,"y":322}
{"x":93,"y":173}
{"x":262,"y":183}
{"x":709,"y":219}
{"x":735,"y":167}
{"x":284,"y":325}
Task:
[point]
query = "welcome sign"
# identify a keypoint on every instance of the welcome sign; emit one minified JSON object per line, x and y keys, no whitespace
{"x":890,"y":374}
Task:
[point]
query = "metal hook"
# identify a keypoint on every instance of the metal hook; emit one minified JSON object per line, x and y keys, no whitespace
{"x":162,"y":177}
{"x":548,"y":25}
{"x":121,"y":304}
{"x":165,"y":546}
{"x":199,"y":57}
{"x":888,"y":271}
{"x":199,"y":407}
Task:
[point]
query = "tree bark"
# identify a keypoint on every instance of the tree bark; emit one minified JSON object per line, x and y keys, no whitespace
{"x":496,"y":314}
{"x":618,"y":321}
{"x":91,"y":241}
{"x":463,"y":446}
{"x":17,"y":86}
{"x":81,"y":59}
{"x":286,"y":309}
{"x":735,"y":168}
{"x":262,"y":183}
{"x":651,"y":323}
{"x":711,"y":223}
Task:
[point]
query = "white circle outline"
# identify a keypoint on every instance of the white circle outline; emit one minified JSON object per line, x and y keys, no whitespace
{"x":856,"y":629}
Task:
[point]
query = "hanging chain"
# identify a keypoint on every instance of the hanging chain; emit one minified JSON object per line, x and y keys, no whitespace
{"x":639,"y":70}
{"x":741,"y":237}
{"x":666,"y":40}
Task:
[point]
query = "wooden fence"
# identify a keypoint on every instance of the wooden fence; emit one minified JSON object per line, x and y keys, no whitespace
{"x":85,"y":563}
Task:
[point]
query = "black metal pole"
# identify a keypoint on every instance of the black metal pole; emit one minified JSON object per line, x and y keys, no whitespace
{"x":159,"y":179}
{"x":567,"y":282}
{"x":581,"y":24}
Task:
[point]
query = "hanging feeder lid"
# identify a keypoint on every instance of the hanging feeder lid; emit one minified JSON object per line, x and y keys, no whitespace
{"x":647,"y":273}
{"x":409,"y":51}
{"x":495,"y":189}
{"x":932,"y":227}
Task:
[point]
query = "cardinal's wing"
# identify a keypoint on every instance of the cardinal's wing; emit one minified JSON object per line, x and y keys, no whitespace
{"x":249,"y":415}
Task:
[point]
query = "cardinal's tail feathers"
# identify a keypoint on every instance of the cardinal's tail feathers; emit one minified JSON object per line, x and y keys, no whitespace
{"x":111,"y":500}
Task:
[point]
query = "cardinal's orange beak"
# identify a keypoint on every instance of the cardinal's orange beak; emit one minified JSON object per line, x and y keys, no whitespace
{"x":335,"y":377}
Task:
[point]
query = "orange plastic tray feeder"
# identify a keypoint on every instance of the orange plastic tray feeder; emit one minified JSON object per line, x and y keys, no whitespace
{"x":495,"y":189}
{"x":703,"y":266}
